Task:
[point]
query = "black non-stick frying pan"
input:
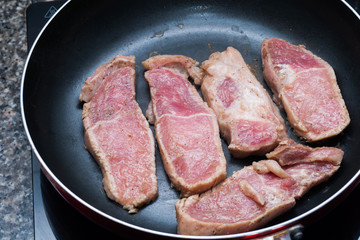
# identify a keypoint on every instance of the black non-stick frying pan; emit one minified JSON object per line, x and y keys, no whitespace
{"x":86,"y":34}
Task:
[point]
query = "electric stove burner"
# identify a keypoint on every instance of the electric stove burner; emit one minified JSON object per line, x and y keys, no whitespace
{"x":54,"y":218}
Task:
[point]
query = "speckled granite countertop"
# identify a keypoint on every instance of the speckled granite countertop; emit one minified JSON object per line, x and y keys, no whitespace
{"x":16,"y":205}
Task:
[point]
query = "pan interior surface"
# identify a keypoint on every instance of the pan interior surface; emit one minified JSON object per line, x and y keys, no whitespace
{"x":85,"y":35}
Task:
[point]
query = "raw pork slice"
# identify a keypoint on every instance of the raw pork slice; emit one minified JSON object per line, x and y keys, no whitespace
{"x":118,"y":135}
{"x":248,"y":119}
{"x":186,"y":129}
{"x":253,"y":196}
{"x":289,"y":153}
{"x":307,"y":88}
{"x":92,"y":83}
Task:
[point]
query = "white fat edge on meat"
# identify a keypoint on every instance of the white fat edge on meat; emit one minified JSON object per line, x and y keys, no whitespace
{"x":273,"y":195}
{"x":287,"y":74}
{"x":250,"y":96}
{"x":251,"y":192}
{"x":241,"y":110}
{"x":273,"y":166}
{"x":269,"y":195}
{"x":150,"y":113}
{"x":249,"y":99}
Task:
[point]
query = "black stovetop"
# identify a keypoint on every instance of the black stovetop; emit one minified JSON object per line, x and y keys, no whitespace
{"x":54,"y":218}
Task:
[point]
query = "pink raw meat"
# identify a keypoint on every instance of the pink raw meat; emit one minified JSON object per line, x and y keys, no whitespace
{"x":118,"y":135}
{"x":248,"y":119}
{"x":186,"y":129}
{"x":306,"y":87}
{"x":256,"y":194}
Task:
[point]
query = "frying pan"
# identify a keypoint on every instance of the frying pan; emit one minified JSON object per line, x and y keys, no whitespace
{"x":85,"y":34}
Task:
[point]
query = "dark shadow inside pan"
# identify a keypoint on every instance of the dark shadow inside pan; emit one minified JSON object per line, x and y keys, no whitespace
{"x":84,"y":35}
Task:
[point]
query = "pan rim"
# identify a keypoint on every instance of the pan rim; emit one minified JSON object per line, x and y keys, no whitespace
{"x":58,"y":185}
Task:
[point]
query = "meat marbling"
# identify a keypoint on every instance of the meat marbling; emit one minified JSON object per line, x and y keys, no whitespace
{"x":186,"y":129}
{"x":248,"y":119}
{"x":118,"y":135}
{"x":306,"y":87}
{"x":254,"y":195}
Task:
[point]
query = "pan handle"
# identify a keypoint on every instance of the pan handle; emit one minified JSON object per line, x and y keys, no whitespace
{"x":292,"y":233}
